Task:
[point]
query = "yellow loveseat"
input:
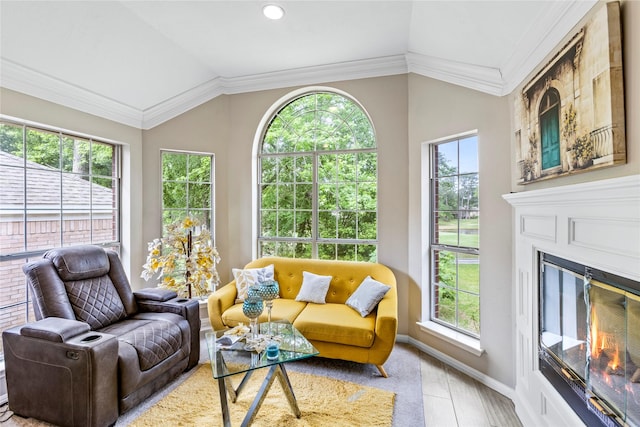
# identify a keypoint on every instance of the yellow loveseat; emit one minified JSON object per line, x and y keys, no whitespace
{"x":335,"y":329}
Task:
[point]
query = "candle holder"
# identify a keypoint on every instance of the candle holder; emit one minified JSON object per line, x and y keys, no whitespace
{"x":269,"y":290}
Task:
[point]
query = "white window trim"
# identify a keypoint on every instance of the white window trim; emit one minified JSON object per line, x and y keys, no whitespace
{"x":458,"y":339}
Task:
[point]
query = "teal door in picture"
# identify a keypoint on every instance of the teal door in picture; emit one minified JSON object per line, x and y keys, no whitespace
{"x":550,"y":130}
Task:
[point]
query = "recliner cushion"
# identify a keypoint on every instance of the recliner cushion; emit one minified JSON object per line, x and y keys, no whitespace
{"x":79,"y":262}
{"x":154,"y":342}
{"x":95,"y":301}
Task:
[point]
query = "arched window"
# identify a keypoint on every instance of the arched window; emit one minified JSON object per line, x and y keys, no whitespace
{"x":549,"y":115}
{"x":317,"y":181}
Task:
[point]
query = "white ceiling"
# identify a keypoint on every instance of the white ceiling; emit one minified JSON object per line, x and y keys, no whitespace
{"x":144,"y":62}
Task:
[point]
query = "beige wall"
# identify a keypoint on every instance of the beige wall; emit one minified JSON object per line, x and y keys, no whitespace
{"x":438,"y":110}
{"x":33,"y":109}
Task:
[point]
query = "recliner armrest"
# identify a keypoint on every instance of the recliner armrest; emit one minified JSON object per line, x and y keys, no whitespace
{"x":54,"y":329}
{"x":155,"y":294}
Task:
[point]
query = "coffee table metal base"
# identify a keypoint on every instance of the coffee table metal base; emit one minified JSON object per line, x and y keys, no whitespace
{"x":226,"y":387}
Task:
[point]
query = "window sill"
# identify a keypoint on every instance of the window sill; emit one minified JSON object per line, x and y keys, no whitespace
{"x":465,"y":342}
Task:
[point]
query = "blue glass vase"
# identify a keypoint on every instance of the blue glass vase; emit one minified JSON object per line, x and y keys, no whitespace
{"x":269,"y":290}
{"x":252,"y":307}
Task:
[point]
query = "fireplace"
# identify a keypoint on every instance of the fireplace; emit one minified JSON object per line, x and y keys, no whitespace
{"x":589,"y":340}
{"x":582,"y":236}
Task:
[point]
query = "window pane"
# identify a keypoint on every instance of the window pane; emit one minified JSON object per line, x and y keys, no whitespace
{"x":304,"y":225}
{"x":102,"y":159}
{"x":10,"y":142}
{"x":174,"y":195}
{"x":199,"y":195}
{"x":285,"y":196}
{"x":285,"y":223}
{"x":444,"y":304}
{"x":327,"y":170}
{"x":347,"y":225}
{"x":446,"y":159}
{"x":75,"y":156}
{"x":269,"y":196}
{"x":327,"y":197}
{"x":174,"y":167}
{"x":286,"y":169}
{"x":446,"y":228}
{"x":469,"y":155}
{"x":367,"y":167}
{"x":346,"y":252}
{"x":43,"y":148}
{"x":327,"y":225}
{"x":304,"y":169}
{"x":367,"y":253}
{"x":469,"y":312}
{"x":367,"y":229}
{"x":347,"y":194}
{"x":304,"y":196}
{"x":446,"y":190}
{"x":269,"y":223}
{"x":469,"y":234}
{"x":269,"y":166}
{"x":199,"y":168}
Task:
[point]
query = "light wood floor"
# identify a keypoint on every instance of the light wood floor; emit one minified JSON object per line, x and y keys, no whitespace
{"x":454,"y":399}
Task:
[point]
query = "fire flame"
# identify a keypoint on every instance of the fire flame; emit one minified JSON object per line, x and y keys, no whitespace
{"x":601,"y":342}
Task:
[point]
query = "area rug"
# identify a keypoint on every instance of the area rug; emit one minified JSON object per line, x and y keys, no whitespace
{"x":323,"y":401}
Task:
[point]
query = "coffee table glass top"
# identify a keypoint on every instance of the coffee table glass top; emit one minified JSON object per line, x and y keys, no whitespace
{"x":229,"y":355}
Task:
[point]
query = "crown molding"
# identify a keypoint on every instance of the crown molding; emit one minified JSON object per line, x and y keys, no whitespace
{"x":560,"y":18}
{"x":351,"y":70}
{"x":34,"y":83}
{"x":174,"y":106}
{"x":483,"y":79}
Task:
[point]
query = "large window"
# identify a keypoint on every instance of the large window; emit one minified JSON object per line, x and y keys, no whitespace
{"x":187,"y":187}
{"x":318,"y":181}
{"x":58,"y":189}
{"x":455,"y":247}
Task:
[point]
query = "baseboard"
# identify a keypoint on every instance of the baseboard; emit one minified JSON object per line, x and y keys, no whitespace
{"x":456,"y":364}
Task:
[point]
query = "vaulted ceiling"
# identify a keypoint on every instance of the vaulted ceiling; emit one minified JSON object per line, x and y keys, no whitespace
{"x":143,"y":62}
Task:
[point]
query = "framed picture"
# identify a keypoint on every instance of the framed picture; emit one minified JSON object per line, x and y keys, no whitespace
{"x":569,"y":118}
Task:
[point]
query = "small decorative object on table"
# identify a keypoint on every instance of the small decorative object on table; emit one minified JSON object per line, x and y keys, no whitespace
{"x":269,"y":290}
{"x":273,"y":350}
{"x":252,"y":307}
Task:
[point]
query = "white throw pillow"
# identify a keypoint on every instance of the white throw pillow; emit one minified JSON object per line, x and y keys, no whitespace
{"x":314,"y":288}
{"x":249,"y":277}
{"x":367,"y":296}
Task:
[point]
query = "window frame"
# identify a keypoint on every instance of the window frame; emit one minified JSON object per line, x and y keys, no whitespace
{"x":315,"y":154}
{"x":445,"y":331}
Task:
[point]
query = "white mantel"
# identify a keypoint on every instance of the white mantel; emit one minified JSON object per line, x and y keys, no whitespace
{"x":595,"y":224}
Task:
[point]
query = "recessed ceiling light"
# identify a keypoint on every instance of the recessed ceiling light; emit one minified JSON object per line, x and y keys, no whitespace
{"x":273,"y":11}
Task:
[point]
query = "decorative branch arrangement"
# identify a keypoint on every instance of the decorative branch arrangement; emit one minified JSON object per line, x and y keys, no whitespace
{"x":185,"y":259}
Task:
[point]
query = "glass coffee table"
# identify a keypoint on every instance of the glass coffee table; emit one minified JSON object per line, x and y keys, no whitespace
{"x":229,"y":356}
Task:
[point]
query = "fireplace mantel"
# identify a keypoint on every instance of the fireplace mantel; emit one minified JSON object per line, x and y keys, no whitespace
{"x":596,"y":224}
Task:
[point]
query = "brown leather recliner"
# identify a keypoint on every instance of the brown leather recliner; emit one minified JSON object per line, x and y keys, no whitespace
{"x":97,"y":348}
